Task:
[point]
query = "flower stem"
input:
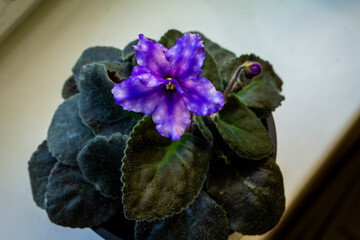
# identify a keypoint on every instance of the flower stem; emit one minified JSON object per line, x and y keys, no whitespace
{"x":233,"y":81}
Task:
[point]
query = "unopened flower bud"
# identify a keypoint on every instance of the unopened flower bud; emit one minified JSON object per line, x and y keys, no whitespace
{"x":252,"y":69}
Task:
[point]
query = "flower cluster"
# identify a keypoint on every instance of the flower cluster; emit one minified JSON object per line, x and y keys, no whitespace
{"x":166,"y":84}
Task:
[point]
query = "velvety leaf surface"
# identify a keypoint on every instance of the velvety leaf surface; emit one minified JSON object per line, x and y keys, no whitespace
{"x":69,"y":89}
{"x":220,"y":55}
{"x":251,"y":193}
{"x":209,"y":69}
{"x":100,"y":163}
{"x":262,"y":94}
{"x":128,"y":52}
{"x":211,"y":72}
{"x":67,"y":134}
{"x":161,"y":177}
{"x":73,"y":202}
{"x":169,"y":38}
{"x":118,"y":72}
{"x":96,"y":55}
{"x":203,"y":123}
{"x":203,"y":219}
{"x":97,"y":106}
{"x":40,"y":165}
{"x":243,"y":131}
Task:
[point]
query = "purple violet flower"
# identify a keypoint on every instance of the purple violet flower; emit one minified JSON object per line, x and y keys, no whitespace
{"x":166,"y":84}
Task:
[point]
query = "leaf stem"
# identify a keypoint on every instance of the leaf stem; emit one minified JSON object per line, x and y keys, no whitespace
{"x":233,"y":81}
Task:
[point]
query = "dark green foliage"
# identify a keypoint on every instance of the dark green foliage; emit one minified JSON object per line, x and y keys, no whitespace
{"x":211,"y":72}
{"x":40,"y":165}
{"x":161,"y":177}
{"x":169,"y":38}
{"x":100,"y":163}
{"x":90,"y":170}
{"x":262,"y":94}
{"x":97,"y":106}
{"x":96,"y":55}
{"x":243,"y":131}
{"x":220,"y":55}
{"x":203,"y":124}
{"x":67,"y":134}
{"x":69,"y":89}
{"x":252,"y":193}
{"x":203,"y":219}
{"x":72,"y":201}
{"x":128,"y":52}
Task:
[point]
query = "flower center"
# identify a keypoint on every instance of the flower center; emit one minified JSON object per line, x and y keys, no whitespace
{"x":170,"y":86}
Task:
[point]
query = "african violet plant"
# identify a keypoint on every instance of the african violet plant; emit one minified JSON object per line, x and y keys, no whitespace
{"x":200,"y":167}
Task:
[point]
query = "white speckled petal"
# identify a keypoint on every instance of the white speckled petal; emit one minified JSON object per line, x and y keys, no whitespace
{"x":151,"y":54}
{"x":201,"y":97}
{"x":172,"y":116}
{"x":146,"y":77}
{"x":186,"y":57}
{"x":134,"y":96}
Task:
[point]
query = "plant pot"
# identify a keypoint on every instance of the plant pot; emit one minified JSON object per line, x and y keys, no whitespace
{"x":112,"y":230}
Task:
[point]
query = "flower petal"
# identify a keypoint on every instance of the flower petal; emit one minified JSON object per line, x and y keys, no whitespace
{"x":134,"y":96}
{"x":172,"y":116}
{"x":201,"y":97}
{"x":186,"y":57}
{"x":146,"y":77}
{"x":151,"y":54}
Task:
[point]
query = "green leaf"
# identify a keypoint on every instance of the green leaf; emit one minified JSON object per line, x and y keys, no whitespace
{"x":161,"y":177}
{"x":243,"y":131}
{"x":251,"y":193}
{"x":96,"y":55}
{"x":118,"y":72}
{"x":168,"y":40}
{"x":72,"y":201}
{"x":100,"y":163}
{"x":203,"y":124}
{"x":40,"y":165}
{"x":262,"y":94}
{"x":69,"y":89}
{"x":203,"y":219}
{"x":97,"y":106}
{"x":128,"y":52}
{"x":67,"y":134}
{"x":209,"y":69}
{"x":220,"y":55}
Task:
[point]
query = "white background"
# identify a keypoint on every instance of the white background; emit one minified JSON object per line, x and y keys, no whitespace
{"x":313,"y":46}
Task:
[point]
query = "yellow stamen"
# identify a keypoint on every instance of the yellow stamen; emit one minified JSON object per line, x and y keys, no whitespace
{"x":170,"y":86}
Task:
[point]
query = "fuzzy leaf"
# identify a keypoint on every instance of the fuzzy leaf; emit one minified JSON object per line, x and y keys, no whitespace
{"x":251,"y":193}
{"x":243,"y":131}
{"x":67,"y":134}
{"x":96,"y":55}
{"x":168,"y":40}
{"x":203,"y":219}
{"x":128,"y":52}
{"x":203,"y":124}
{"x":220,"y":55}
{"x":209,"y":69}
{"x":97,"y":106}
{"x":100,"y":163}
{"x":118,"y":72}
{"x":40,"y":165}
{"x":161,"y":177}
{"x":73,"y":202}
{"x":262,"y":94}
{"x":69,"y":89}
